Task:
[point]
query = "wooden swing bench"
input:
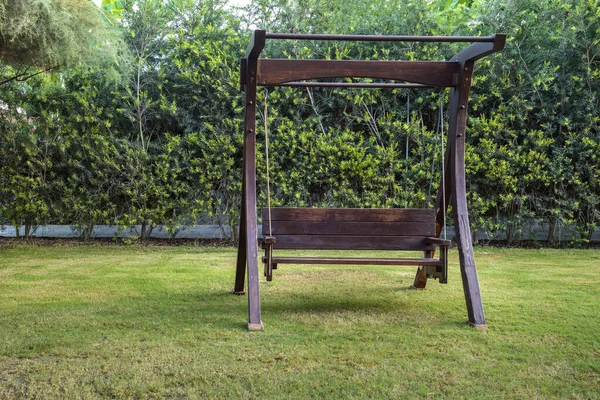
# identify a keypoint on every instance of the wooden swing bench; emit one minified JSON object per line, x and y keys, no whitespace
{"x":354,"y":229}
{"x":362,"y":229}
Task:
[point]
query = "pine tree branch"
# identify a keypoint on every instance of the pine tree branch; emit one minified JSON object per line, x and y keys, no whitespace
{"x":19,"y":77}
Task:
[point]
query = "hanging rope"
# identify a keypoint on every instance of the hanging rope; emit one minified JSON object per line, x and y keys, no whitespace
{"x":443,"y":162}
{"x":266,"y":119}
{"x":432,"y":168}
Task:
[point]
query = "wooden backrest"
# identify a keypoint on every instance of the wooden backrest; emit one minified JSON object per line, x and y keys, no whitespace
{"x":350,"y":228}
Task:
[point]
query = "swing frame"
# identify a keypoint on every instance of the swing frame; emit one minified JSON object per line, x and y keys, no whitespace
{"x":455,"y":74}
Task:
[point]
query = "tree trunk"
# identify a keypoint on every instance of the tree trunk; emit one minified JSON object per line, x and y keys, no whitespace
{"x":146,"y":230}
{"x":89,"y":230}
{"x":509,"y":233}
{"x":551,"y":229}
{"x":234,"y":233}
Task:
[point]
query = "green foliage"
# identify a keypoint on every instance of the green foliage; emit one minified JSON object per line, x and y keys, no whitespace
{"x":164,"y":144}
{"x":533,"y":115}
{"x":55,"y":33}
{"x":114,"y":8}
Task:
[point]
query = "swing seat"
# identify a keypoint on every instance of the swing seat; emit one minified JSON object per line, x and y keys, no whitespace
{"x":354,"y":229}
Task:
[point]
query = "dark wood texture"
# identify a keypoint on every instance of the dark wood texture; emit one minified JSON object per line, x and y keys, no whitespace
{"x":331,"y":242}
{"x":377,"y":229}
{"x":456,"y":139}
{"x":357,"y":85}
{"x":444,"y":259}
{"x":480,"y":50}
{"x":420,"y":281}
{"x":438,"y":241}
{"x":240,"y":270}
{"x":256,"y":44}
{"x":351,"y":228}
{"x":380,"y":38}
{"x":243,"y":73}
{"x":272,"y":72}
{"x":350,"y":214}
{"x":357,"y":261}
{"x":268,"y":243}
{"x":249,"y":181}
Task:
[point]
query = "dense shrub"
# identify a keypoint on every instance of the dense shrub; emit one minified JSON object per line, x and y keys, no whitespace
{"x":163,"y":144}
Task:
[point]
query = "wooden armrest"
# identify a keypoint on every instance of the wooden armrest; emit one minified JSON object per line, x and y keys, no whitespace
{"x":438,"y":241}
{"x":267,"y":241}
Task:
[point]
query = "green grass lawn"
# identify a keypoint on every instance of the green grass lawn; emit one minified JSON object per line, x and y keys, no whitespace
{"x":159,"y":322}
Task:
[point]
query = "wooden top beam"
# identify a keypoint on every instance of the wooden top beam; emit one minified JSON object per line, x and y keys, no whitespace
{"x":273,"y":72}
{"x":283,"y":72}
{"x":379,"y":38}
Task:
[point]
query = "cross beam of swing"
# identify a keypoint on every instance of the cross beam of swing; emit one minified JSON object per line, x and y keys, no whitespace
{"x":455,"y":74}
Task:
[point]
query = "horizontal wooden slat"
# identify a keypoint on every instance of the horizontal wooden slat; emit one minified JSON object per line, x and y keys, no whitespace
{"x":379,"y":38}
{"x":350,"y":228}
{"x":356,"y":261}
{"x":272,"y":72}
{"x":357,"y":85}
{"x":350,"y":214}
{"x":331,"y":242}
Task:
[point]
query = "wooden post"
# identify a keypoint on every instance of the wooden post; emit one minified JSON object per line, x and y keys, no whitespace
{"x":248,"y":223}
{"x":456,"y":139}
{"x":254,"y":319}
{"x":240,"y":270}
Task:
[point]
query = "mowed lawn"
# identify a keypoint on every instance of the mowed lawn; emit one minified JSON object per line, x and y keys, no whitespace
{"x":160,"y":322}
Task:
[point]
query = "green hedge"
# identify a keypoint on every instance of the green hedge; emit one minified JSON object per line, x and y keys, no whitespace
{"x":163,"y":146}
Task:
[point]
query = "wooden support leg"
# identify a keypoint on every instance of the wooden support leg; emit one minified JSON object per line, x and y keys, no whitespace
{"x":270,"y":266}
{"x":240,"y":270}
{"x":462,"y":230}
{"x":269,"y":241}
{"x":468,"y":271}
{"x":421,"y":276}
{"x":254,"y":317}
{"x":444,"y":260}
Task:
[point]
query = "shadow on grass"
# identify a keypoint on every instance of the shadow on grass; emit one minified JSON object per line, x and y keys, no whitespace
{"x":215,"y":309}
{"x":190,"y":316}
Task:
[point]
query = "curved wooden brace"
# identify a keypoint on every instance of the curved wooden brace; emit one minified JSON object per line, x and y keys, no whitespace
{"x":272,"y":72}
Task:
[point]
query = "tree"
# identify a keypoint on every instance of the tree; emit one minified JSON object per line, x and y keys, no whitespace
{"x":49,"y":34}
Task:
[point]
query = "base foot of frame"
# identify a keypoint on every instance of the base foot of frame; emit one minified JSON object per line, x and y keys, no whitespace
{"x":238,"y":293}
{"x":478,"y":326}
{"x":256,"y":327}
{"x":413,"y":287}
